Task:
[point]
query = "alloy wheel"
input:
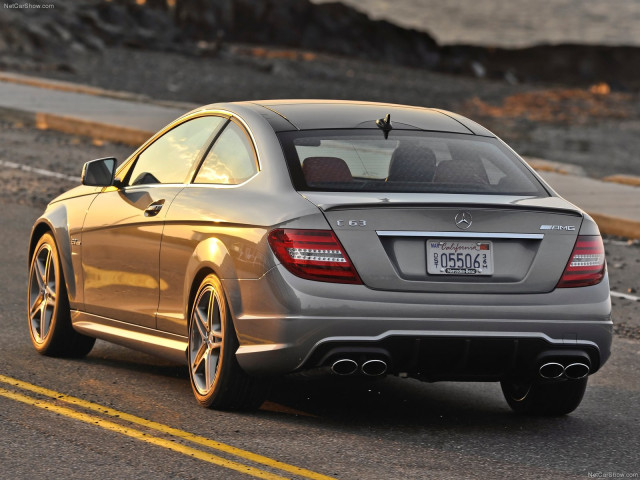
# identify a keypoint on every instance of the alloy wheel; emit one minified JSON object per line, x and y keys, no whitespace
{"x":43,"y":293}
{"x":205,"y":340}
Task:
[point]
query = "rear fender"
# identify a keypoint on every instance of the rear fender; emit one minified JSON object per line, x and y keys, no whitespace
{"x":209,"y":255}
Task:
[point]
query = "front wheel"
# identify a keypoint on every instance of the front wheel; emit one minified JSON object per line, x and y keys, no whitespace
{"x":544,"y":398}
{"x":48,"y":306}
{"x":216,"y":377}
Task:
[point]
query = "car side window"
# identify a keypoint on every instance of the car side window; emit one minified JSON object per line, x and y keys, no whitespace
{"x":230,"y":161}
{"x":170,"y":158}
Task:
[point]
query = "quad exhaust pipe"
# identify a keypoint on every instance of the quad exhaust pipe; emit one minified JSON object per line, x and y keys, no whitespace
{"x":344,"y":366}
{"x":374,"y":368}
{"x":554,"y":370}
{"x":551,"y":370}
{"x":347,"y":366}
{"x":576,"y":371}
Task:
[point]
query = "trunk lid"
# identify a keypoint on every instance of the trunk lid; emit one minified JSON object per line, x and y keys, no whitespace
{"x":387,"y":237}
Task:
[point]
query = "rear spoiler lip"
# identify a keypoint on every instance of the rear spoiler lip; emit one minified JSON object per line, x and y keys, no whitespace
{"x":332,"y":200}
{"x":490,"y":206}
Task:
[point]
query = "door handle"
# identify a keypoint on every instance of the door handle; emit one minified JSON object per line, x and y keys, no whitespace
{"x":154,"y":208}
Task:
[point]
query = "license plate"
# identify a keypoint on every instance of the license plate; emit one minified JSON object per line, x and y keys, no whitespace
{"x":453,"y":257}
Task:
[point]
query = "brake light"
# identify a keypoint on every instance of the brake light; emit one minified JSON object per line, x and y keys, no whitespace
{"x":587,"y":265}
{"x":313,"y":254}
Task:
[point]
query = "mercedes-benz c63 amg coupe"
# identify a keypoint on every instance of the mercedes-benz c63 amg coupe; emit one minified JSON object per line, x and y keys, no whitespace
{"x":256,"y":239}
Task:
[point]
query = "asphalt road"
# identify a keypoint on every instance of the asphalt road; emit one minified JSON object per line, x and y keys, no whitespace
{"x":342,"y":428}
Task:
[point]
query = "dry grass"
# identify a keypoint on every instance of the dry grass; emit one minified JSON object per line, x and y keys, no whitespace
{"x":559,"y":105}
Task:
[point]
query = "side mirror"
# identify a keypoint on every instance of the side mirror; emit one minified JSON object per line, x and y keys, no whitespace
{"x":99,"y":173}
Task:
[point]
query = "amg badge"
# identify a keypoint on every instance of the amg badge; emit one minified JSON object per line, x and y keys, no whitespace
{"x":569,"y":228}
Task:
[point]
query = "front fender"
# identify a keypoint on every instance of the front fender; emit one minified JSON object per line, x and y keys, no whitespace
{"x":56,"y":222}
{"x":64,"y":220}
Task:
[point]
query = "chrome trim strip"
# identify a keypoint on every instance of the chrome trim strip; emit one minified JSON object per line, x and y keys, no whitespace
{"x":154,"y":342}
{"x":142,"y":186}
{"x":222,"y":185}
{"x":409,"y":233}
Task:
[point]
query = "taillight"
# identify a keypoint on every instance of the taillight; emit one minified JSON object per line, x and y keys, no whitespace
{"x":586,"y":265}
{"x":313,"y":254}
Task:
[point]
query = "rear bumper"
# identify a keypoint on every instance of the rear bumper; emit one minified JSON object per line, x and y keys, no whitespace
{"x":285,"y":324}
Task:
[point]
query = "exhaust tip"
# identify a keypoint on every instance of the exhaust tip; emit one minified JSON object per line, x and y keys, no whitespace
{"x":576,"y":371}
{"x":551,"y":370}
{"x":374,"y":368}
{"x":344,"y":366}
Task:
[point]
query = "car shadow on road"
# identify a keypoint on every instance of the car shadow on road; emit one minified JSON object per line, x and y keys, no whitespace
{"x":393,"y":402}
{"x":332,"y":401}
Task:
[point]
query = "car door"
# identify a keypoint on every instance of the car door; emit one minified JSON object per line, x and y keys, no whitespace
{"x":123,"y":227}
{"x":206,"y":213}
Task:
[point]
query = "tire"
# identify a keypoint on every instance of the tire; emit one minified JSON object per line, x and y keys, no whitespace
{"x":217,"y":379}
{"x":544,"y":398}
{"x":48,"y":309}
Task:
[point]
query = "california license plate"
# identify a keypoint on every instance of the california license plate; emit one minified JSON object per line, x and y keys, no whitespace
{"x":453,"y":257}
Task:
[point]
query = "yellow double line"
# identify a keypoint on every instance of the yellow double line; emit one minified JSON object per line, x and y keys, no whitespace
{"x":151,"y":439}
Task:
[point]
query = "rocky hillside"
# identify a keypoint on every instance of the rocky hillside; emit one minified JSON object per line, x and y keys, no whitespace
{"x":199,"y":26}
{"x":31,"y":37}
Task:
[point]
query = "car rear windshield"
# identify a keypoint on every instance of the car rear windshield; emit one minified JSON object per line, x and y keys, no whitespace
{"x":407,"y":161}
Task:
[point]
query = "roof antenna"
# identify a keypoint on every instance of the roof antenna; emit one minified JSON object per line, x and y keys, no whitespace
{"x":385,"y":125}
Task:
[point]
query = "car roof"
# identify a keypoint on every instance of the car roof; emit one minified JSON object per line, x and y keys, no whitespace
{"x":287,"y":115}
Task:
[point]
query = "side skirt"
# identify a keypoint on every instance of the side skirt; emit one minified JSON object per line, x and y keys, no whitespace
{"x":163,"y":344}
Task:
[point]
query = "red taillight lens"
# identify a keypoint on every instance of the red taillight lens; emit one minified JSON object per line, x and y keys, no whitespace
{"x":586,"y":266}
{"x":313,"y":254}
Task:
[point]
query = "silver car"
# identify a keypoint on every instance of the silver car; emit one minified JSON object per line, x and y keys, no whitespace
{"x":256,"y":239}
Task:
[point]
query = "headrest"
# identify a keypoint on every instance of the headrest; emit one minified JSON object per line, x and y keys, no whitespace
{"x":326,"y":170}
{"x":412,"y":163}
{"x":461,"y":172}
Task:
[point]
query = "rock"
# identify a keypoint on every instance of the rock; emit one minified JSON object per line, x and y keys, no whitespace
{"x":77,"y":47}
{"x":93,"y":42}
{"x":61,"y":32}
{"x":510,"y":78}
{"x":38,"y":35}
{"x":478,"y":69}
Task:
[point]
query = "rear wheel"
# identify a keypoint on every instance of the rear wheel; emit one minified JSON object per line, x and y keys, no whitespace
{"x":216,"y":377}
{"x":544,"y":398}
{"x":49,"y":314}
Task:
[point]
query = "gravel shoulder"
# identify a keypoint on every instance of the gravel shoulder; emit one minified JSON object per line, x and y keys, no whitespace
{"x":48,"y":150}
{"x":623,"y":263}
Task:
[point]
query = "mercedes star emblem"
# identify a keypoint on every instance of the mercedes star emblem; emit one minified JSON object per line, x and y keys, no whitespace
{"x":463,"y":220}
